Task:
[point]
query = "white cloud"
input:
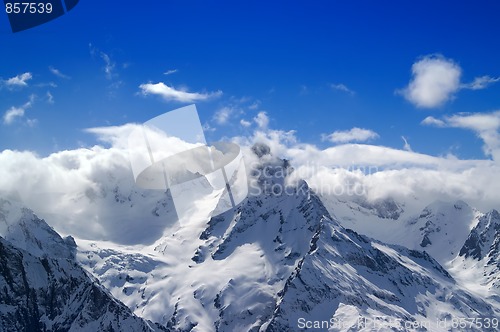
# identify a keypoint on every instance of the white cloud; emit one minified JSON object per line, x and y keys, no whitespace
{"x":109,"y":66}
{"x":171,"y":94}
{"x":352,"y":135}
{"x":170,"y":72}
{"x":47,"y":84}
{"x":262,"y":120}
{"x":50,"y":98}
{"x":485,"y":125}
{"x":406,"y":145}
{"x":31,"y":122}
{"x":432,"y":121}
{"x":245,"y":123}
{"x":342,"y":87}
{"x":479,"y":122}
{"x":255,"y":105}
{"x":223,"y":115}
{"x":480,"y":83}
{"x":76,"y":184}
{"x":18,"y":81}
{"x":386,"y":172}
{"x":14,"y":113}
{"x":435,"y":80}
{"x":58,"y":73}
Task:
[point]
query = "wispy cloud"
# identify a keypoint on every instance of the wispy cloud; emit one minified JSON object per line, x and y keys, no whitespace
{"x":480,"y":83}
{"x":109,"y":66}
{"x":255,"y":105}
{"x":50,"y":98}
{"x":406,"y":145}
{"x":352,"y":135}
{"x":14,"y":113}
{"x":485,"y":125}
{"x":342,"y":87}
{"x":432,"y":121}
{"x":171,"y":94}
{"x":18,"y":81}
{"x":170,"y":72}
{"x":46,"y":84}
{"x":58,"y":73}
{"x":245,"y":123}
{"x":223,"y":115}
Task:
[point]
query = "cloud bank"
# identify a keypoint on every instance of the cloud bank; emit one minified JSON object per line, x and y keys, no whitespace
{"x":91,"y":192}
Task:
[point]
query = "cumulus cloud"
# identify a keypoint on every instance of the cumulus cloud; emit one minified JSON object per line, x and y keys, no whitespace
{"x":88,"y":192}
{"x":18,"y":81}
{"x":171,"y":94}
{"x":485,"y":125}
{"x":262,"y":120}
{"x":342,"y":87}
{"x":351,"y":135}
{"x":382,"y":172}
{"x":91,"y":192}
{"x":435,"y":80}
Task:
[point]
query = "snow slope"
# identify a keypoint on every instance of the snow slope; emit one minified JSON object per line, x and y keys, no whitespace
{"x":280,"y":257}
{"x":43,"y":287}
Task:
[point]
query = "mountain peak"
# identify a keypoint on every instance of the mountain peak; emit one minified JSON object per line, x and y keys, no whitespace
{"x":484,"y":239}
{"x":21,"y":227}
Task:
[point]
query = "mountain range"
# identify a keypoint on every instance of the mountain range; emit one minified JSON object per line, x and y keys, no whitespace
{"x":288,"y":261}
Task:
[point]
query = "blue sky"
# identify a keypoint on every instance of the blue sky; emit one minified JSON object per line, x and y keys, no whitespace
{"x":315,"y":67}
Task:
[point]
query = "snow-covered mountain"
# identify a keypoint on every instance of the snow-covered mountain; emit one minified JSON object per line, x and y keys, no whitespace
{"x":439,"y":228}
{"x":44,"y":288}
{"x":279,"y":258}
{"x":286,"y":259}
{"x":478,"y":262}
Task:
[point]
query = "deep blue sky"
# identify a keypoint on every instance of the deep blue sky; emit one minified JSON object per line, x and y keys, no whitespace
{"x":283,"y":55}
